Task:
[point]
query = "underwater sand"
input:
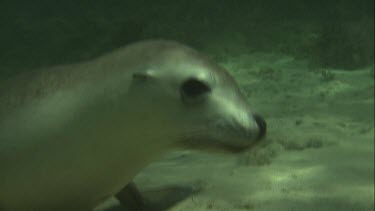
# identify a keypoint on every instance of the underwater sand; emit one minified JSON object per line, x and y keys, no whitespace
{"x":318,"y":153}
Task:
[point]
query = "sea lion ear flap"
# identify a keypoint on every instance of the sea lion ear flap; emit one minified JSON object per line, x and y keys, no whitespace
{"x":141,"y":79}
{"x":143,"y":75}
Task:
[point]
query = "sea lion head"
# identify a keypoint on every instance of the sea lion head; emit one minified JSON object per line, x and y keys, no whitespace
{"x":187,"y":93}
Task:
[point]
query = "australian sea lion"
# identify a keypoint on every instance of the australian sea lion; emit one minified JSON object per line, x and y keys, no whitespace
{"x":70,"y":136}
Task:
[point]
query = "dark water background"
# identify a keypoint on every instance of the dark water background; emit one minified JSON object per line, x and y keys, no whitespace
{"x":335,"y":33}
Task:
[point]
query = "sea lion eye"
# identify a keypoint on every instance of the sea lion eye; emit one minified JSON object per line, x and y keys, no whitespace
{"x":193,"y":88}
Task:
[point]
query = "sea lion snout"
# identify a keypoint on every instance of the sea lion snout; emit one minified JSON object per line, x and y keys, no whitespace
{"x":262,"y":125}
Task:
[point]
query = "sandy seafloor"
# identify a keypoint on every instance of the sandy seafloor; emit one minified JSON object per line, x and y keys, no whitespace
{"x":318,"y":153}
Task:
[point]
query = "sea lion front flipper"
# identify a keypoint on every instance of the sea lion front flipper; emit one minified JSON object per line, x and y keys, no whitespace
{"x":162,"y":199}
{"x":157,"y":199}
{"x":131,"y":198}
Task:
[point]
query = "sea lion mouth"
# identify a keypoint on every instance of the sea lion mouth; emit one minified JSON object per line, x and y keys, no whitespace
{"x":224,"y":138}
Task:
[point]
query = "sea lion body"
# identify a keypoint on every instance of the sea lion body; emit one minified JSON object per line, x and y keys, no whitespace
{"x":71,"y":136}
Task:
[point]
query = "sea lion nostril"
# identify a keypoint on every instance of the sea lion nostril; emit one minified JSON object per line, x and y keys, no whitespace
{"x":261,"y":124}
